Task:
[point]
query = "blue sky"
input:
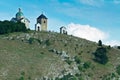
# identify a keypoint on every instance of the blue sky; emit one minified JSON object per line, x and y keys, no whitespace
{"x":103,"y":15}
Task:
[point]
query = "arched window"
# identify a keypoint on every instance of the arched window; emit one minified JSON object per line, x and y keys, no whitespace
{"x":44,"y":21}
{"x":38,"y":28}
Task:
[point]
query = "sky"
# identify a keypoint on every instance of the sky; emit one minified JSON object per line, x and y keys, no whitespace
{"x":90,"y":19}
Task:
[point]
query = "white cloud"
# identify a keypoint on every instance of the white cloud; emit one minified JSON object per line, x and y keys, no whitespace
{"x":113,"y":43}
{"x":92,"y":2}
{"x":86,"y":31}
{"x":89,"y":2}
{"x":117,"y":1}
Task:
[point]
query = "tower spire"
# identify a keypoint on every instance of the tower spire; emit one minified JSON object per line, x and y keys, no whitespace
{"x":42,"y":12}
{"x":19,"y":10}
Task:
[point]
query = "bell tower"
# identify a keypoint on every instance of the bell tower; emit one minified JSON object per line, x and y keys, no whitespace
{"x":42,"y":20}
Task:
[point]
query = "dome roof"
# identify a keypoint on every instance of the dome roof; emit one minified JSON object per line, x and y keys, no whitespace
{"x":42,"y":16}
{"x":19,"y":14}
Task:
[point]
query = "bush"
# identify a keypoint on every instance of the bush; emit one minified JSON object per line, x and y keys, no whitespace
{"x":118,"y":69}
{"x":109,"y":47}
{"x":21,"y":78}
{"x":80,"y":67}
{"x":23,"y":73}
{"x":77,"y":60}
{"x":118,"y":47}
{"x":31,"y":40}
{"x":29,"y":78}
{"x":39,"y":41}
{"x":68,"y":61}
{"x":99,"y":43}
{"x":47,"y":42}
{"x":9,"y":27}
{"x":100,"y":55}
{"x":87,"y":65}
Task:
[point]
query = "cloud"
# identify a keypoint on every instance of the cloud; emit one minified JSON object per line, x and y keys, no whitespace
{"x":89,"y":2}
{"x":92,"y":2}
{"x":86,"y":31}
{"x":113,"y":43}
{"x":116,"y":1}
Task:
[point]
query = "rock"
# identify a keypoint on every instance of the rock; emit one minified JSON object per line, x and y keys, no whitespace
{"x":11,"y":38}
{"x":45,"y":78}
{"x":58,"y":52}
{"x":64,"y":55}
{"x":17,"y":37}
{"x":27,"y":36}
{"x":6,"y":38}
{"x":52,"y":50}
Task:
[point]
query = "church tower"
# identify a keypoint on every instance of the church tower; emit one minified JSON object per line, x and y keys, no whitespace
{"x":41,"y":23}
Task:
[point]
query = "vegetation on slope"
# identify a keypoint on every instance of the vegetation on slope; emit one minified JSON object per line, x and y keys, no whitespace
{"x":49,"y":55}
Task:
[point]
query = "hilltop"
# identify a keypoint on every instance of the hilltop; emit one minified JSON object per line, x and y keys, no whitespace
{"x":50,"y":55}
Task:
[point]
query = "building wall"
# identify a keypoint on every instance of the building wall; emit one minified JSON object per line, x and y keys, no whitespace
{"x":25,"y":22}
{"x":37,"y":27}
{"x":43,"y":23}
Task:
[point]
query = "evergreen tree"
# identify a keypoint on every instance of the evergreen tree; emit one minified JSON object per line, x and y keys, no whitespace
{"x":9,"y":27}
{"x":99,"y":43}
{"x":100,"y":55}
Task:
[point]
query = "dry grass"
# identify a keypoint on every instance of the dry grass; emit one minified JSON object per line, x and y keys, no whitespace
{"x":36,"y":61}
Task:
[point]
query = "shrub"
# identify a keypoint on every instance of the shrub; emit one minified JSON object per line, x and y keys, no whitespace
{"x":77,"y":59}
{"x":113,"y":75}
{"x":21,"y":78}
{"x":100,"y":55}
{"x":47,"y":42}
{"x":99,"y":43}
{"x":79,"y":76}
{"x":65,"y":45}
{"x":118,"y":47}
{"x":31,"y":40}
{"x":109,"y":47}
{"x":23,"y":73}
{"x":87,"y":65}
{"x":42,"y":52}
{"x":9,"y":27}
{"x":39,"y":41}
{"x":29,"y":78}
{"x":68,"y":61}
{"x":80,"y":67}
{"x":118,"y":69}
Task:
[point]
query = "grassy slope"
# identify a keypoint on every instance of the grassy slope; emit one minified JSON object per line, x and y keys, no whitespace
{"x":17,"y":56}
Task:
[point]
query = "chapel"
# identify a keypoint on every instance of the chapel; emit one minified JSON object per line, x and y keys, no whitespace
{"x":41,"y":24}
{"x":19,"y":17}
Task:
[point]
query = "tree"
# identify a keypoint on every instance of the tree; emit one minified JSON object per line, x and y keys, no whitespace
{"x":9,"y":27}
{"x":99,"y":43}
{"x":100,"y":55}
{"x":118,"y":47}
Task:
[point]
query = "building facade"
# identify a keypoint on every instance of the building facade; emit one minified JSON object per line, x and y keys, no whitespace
{"x":20,"y":17}
{"x":63,"y":30}
{"x":41,"y":24}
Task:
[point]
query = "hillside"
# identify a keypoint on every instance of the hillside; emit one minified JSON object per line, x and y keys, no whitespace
{"x":50,"y":55}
